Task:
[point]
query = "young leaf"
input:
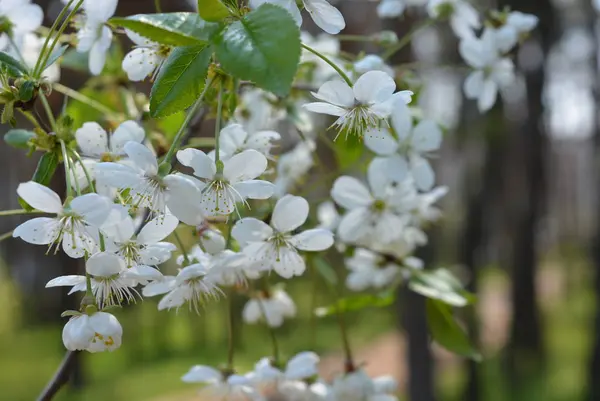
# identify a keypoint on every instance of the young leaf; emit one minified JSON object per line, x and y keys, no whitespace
{"x":13,"y":67}
{"x":446,"y":332}
{"x":358,"y":302}
{"x":180,"y":80}
{"x":18,"y":138}
{"x":174,"y":29}
{"x":56,"y":54}
{"x":212,"y":10}
{"x":441,"y":285}
{"x":26,"y":91}
{"x":46,"y":168}
{"x":263,"y":47}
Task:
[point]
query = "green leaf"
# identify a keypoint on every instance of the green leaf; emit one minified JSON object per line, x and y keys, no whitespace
{"x":440,"y":284}
{"x":358,"y":302}
{"x":212,"y":10}
{"x":14,"y":68}
{"x":26,"y":91}
{"x":174,"y":29}
{"x":263,"y":47}
{"x":446,"y":331}
{"x":56,"y":54}
{"x":18,"y":138}
{"x":46,"y":168}
{"x":348,"y":151}
{"x":180,"y":80}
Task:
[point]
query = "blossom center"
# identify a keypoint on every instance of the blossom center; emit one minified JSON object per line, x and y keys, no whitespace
{"x":356,"y":121}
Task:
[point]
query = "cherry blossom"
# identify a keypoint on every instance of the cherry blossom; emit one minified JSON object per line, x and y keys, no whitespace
{"x":98,"y":332}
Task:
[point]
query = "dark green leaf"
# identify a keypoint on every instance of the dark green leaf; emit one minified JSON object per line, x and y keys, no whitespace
{"x":18,"y":138}
{"x":358,"y":302}
{"x":212,"y":10}
{"x":446,"y":331}
{"x":440,"y":284}
{"x":263,"y":47}
{"x":26,"y":91}
{"x":180,"y":80}
{"x":56,"y":54}
{"x":174,"y":29}
{"x":13,"y":67}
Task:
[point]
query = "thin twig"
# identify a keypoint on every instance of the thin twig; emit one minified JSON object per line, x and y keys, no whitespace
{"x":61,"y":377}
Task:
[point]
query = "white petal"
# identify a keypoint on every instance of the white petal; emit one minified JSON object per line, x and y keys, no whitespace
{"x":473,"y":85}
{"x":77,"y":333}
{"x":183,"y":199}
{"x":488,"y":95}
{"x":325,"y":108}
{"x":470,"y":50}
{"x":290,"y":212}
{"x":390,"y":8}
{"x":119,"y":225}
{"x":245,"y":166}
{"x":92,"y":207}
{"x":427,"y":136}
{"x":140,"y":63}
{"x":396,"y":168}
{"x":377,"y":175}
{"x":302,"y":366}
{"x":262,"y":141}
{"x":252,"y":311}
{"x":359,"y":280}
{"x":117,"y":175}
{"x":327,"y":17}
{"x":202,"y":374}
{"x":40,"y":197}
{"x":159,"y":287}
{"x":127,"y":131}
{"x":255,"y":189}
{"x":100,"y":11}
{"x":157,"y":229}
{"x":401,"y":120}
{"x":99,"y":50}
{"x":104,"y":264}
{"x":232,"y":139}
{"x":92,"y":139}
{"x":381,"y":142}
{"x":317,"y":239}
{"x":374,"y":87}
{"x":337,"y":93}
{"x":250,"y":229}
{"x":353,"y":225}
{"x":66,"y":281}
{"x":203,"y":166}
{"x":38,"y":231}
{"x":350,"y":193}
{"x":26,"y":18}
{"x":142,"y":157}
{"x":156,"y":254}
{"x":77,"y":244}
{"x":422,"y":173}
{"x":289,"y":263}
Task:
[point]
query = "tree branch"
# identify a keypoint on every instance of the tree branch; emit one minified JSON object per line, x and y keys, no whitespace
{"x":61,"y":377}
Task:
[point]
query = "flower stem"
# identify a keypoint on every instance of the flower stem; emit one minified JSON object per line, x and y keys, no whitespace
{"x":181,"y":248}
{"x":31,"y":118}
{"x":88,"y":286}
{"x":52,"y":29}
{"x":48,"y":110}
{"x":67,"y":163}
{"x":88,"y":177}
{"x":355,"y":38}
{"x":73,"y":94}
{"x":6,"y":235}
{"x":157,"y":6}
{"x":17,"y":212}
{"x":230,"y":342}
{"x":405,"y":40}
{"x":46,"y":55}
{"x":190,"y":114}
{"x":331,"y":63}
{"x":272,"y":333}
{"x":218,"y":125}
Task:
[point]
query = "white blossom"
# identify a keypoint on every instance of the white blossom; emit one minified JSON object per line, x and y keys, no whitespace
{"x":147,"y":188}
{"x":220,"y":387}
{"x":222,"y":189}
{"x":98,"y":332}
{"x":94,"y":37}
{"x":273,"y":247}
{"x":271,"y":307}
{"x":234,"y":139}
{"x":517,"y":24}
{"x":372,"y":62}
{"x":361,"y":107}
{"x":358,"y":386}
{"x":19,"y":18}
{"x":369,"y":270}
{"x":464,"y":18}
{"x":145,"y":59}
{"x":75,"y":225}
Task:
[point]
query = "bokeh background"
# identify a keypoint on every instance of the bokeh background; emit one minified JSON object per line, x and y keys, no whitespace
{"x":521,"y":228}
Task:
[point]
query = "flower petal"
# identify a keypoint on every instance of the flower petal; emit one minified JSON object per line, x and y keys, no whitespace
{"x":142,"y":157}
{"x":127,"y":131}
{"x":353,"y":225}
{"x":426,"y":137}
{"x":140,"y":63}
{"x":381,"y":142}
{"x":289,"y":263}
{"x":326,"y":16}
{"x":290,"y":212}
{"x":202,"y":374}
{"x":203,"y":166}
{"x":183,"y":196}
{"x":317,"y":239}
{"x":232,"y":139}
{"x":250,"y":229}
{"x":255,"y":189}
{"x":104,"y":264}
{"x":40,"y":197}
{"x":93,"y":208}
{"x":157,"y":229}
{"x":336,"y":92}
{"x":374,"y":87}
{"x":117,"y":175}
{"x":245,"y":166}
{"x":66,"y":281}
{"x":325,"y":108}
{"x":350,"y":193}
{"x":92,"y":139}
{"x":422,"y":173}
{"x":38,"y":231}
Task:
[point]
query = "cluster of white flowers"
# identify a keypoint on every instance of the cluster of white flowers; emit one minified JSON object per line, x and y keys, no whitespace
{"x":242,"y":199}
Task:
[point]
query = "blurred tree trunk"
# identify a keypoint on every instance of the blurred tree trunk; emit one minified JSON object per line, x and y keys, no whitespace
{"x":421,"y":386}
{"x":525,"y":354}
